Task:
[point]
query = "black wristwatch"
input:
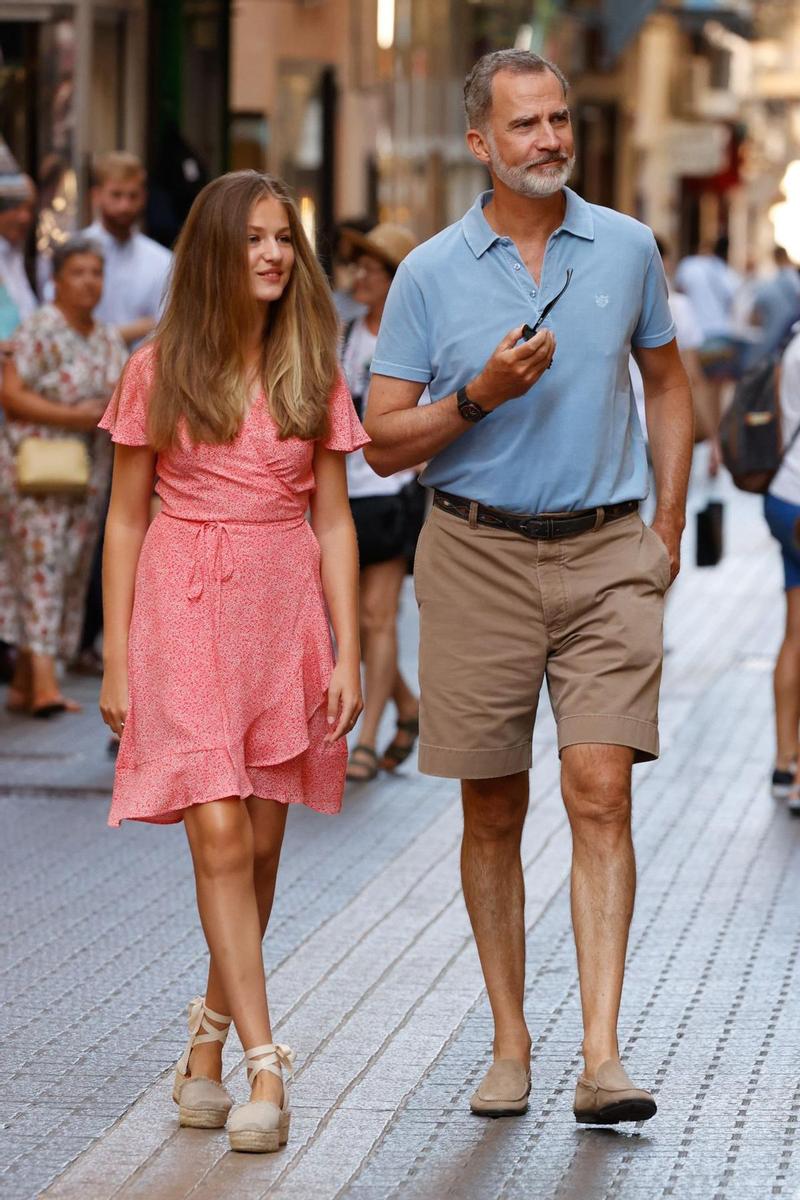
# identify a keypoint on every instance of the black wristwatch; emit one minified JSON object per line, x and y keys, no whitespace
{"x":469,"y":410}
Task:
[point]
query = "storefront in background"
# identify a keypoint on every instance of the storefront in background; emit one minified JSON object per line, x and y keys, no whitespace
{"x":82,"y":77}
{"x":70,"y":85}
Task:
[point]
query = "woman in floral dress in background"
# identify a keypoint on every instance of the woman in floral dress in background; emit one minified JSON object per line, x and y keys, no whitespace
{"x":64,"y":369}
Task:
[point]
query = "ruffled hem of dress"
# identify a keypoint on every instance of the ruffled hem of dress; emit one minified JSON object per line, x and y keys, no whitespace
{"x":314,"y":777}
{"x":256,"y":782}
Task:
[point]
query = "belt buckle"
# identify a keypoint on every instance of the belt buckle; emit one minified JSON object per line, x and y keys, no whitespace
{"x":528,"y":528}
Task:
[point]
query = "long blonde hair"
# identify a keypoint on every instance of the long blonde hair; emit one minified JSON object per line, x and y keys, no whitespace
{"x":200,"y":376}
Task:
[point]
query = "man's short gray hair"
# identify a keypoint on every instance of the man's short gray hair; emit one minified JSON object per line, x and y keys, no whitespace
{"x":79,"y":244}
{"x":478,"y":84}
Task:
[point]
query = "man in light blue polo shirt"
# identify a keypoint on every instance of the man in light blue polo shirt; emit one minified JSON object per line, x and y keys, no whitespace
{"x":534,"y":564}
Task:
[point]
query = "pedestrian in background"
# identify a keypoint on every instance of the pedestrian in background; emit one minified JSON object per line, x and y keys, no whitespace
{"x":782,"y":512}
{"x":534,"y":561}
{"x":344,"y":266}
{"x":776,"y":304}
{"x":219,"y":668}
{"x":712,"y":287}
{"x":137,"y":269}
{"x":689,"y":337}
{"x":65,"y":366}
{"x":386,"y":524}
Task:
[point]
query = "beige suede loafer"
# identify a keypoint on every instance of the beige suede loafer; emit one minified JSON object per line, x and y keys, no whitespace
{"x":503,"y":1091}
{"x":611,"y":1097}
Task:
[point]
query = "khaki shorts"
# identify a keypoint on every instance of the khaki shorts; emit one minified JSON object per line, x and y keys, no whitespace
{"x":499,"y":613}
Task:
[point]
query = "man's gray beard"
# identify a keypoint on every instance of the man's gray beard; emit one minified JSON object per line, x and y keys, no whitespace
{"x":539,"y":182}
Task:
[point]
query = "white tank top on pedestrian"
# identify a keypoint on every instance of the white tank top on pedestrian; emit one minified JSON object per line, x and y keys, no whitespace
{"x":786,"y":484}
{"x":357,"y":352}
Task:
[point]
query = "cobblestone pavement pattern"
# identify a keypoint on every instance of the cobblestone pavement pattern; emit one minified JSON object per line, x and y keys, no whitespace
{"x":375,"y":981}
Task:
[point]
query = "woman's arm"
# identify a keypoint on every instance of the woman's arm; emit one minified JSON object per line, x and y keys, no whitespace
{"x":333,"y":526}
{"x":128,"y":519}
{"x":20,"y":403}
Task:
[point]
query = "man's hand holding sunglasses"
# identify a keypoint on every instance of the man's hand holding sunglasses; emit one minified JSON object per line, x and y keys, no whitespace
{"x":514,"y":367}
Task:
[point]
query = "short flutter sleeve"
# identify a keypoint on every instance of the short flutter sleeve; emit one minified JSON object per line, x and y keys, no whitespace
{"x":345,"y":431}
{"x":126,"y":415}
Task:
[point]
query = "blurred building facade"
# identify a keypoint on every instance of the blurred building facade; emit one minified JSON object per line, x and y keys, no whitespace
{"x":687,"y":112}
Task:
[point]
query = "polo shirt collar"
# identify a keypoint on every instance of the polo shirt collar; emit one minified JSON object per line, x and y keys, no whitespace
{"x":578,"y":218}
{"x":479,"y":235}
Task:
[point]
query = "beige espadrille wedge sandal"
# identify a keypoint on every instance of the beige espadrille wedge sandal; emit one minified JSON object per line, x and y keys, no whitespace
{"x":202,"y":1103}
{"x":260,"y":1127}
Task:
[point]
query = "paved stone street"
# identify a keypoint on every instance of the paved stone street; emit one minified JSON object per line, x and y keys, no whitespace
{"x":375,"y":982}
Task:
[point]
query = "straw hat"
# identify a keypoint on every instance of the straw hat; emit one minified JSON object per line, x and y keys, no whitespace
{"x":390,"y":243}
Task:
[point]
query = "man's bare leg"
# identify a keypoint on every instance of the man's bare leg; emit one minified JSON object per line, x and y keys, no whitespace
{"x":596,"y":786}
{"x":494,"y":892}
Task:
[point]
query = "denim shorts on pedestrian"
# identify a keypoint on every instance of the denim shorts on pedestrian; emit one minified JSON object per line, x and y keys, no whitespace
{"x":782,"y":518}
{"x":500,"y":613}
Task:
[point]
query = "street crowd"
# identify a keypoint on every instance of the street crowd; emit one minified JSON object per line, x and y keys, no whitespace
{"x":531,"y":561}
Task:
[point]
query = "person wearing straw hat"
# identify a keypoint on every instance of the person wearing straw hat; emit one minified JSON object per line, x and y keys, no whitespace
{"x":386,"y":515}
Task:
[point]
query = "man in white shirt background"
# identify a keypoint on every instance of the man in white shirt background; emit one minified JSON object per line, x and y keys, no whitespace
{"x":134,"y":285}
{"x":136,"y":267}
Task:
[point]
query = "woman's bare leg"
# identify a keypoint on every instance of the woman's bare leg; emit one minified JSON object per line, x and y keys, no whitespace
{"x":268,"y":820}
{"x":786,"y":685}
{"x":222,"y":843}
{"x":379,"y":595}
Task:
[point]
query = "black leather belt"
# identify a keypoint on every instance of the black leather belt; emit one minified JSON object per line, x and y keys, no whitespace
{"x":546,"y":526}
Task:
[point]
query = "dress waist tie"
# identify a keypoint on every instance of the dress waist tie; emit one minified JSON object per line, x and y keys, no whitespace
{"x":214,"y":562}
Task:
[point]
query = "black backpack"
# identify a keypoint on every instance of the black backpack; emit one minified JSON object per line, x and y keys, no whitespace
{"x":750,"y":431}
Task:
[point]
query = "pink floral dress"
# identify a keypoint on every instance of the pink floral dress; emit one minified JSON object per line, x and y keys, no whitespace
{"x":229,"y":649}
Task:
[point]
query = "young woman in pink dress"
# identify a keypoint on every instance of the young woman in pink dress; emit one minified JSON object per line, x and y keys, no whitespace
{"x":219,"y":670}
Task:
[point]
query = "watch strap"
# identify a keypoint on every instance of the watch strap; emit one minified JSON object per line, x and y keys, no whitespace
{"x":469,"y":409}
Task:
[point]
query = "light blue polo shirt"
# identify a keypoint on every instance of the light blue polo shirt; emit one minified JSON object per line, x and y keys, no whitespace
{"x":573,"y":440}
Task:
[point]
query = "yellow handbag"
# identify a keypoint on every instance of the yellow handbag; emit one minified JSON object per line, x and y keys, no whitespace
{"x":52,"y":466}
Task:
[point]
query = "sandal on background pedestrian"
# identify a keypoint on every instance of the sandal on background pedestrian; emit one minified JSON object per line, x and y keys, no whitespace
{"x":401,"y":745}
{"x":18,"y":702}
{"x":54,"y":707}
{"x":362,"y":766}
{"x":260,"y":1126}
{"x":203,"y":1103}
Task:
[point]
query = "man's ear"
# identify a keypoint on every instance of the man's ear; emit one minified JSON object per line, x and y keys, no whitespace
{"x":476,"y":141}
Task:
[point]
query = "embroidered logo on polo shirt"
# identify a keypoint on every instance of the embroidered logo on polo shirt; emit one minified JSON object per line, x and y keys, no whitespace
{"x":601,"y":299}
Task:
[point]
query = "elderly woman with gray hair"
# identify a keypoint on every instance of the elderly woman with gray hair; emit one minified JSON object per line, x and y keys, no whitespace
{"x":54,"y":472}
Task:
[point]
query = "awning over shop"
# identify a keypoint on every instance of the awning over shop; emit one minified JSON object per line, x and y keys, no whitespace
{"x":736,"y":15}
{"x":622,"y":19}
